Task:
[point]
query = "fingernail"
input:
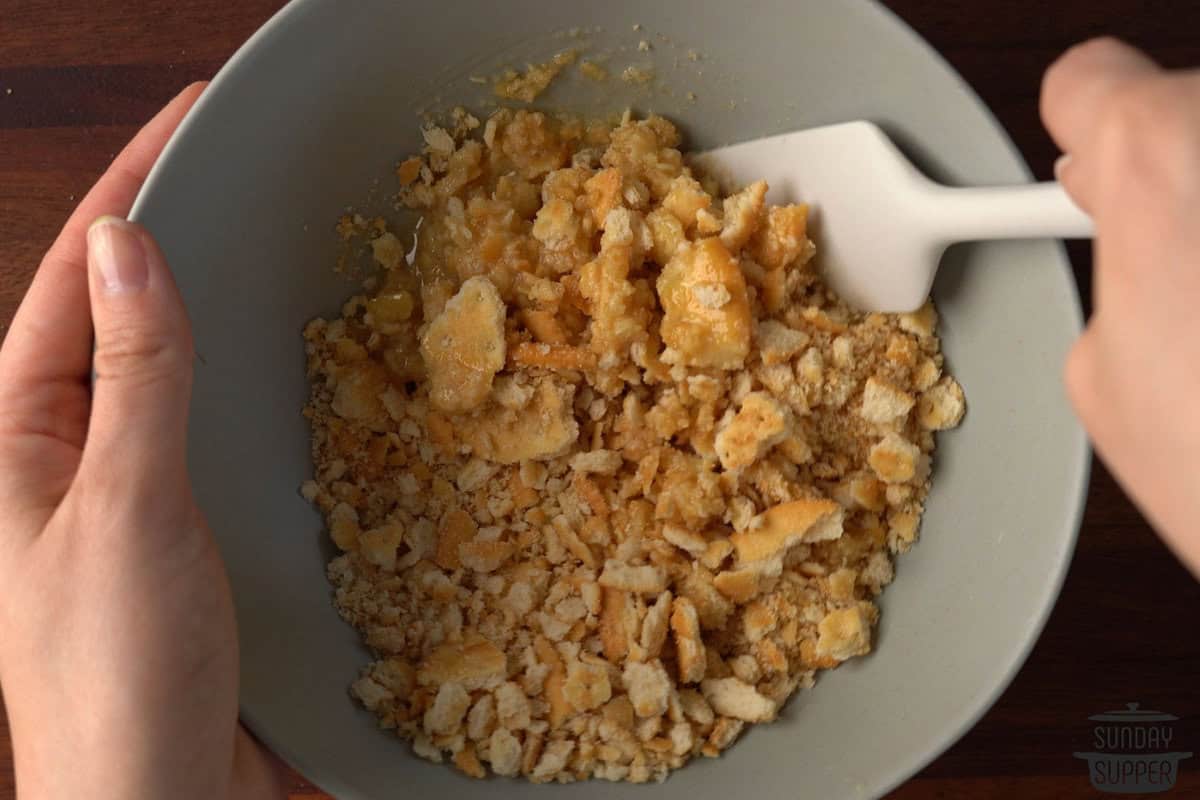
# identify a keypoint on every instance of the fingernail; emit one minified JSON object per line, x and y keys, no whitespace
{"x":115,"y":251}
{"x":1061,"y":164}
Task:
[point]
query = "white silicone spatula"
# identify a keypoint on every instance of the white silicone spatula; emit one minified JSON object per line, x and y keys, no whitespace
{"x":880,"y":225}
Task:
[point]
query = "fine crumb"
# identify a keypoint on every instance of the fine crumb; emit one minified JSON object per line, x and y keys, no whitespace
{"x":593,"y":71}
{"x":637,"y":75}
{"x":526,"y":86}
{"x":609,"y":471}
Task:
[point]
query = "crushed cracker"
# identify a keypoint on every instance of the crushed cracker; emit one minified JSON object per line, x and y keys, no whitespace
{"x":610,"y":472}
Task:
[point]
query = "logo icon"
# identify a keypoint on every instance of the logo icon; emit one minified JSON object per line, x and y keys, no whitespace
{"x":1133,"y":751}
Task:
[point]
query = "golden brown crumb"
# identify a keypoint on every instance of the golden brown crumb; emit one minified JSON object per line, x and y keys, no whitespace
{"x":593,"y":71}
{"x":611,"y":473}
{"x":526,"y":86}
{"x":637,"y":75}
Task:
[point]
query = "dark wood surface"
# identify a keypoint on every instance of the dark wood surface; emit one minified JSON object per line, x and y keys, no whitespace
{"x":78,"y":78}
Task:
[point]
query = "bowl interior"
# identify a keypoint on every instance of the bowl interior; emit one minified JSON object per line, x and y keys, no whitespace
{"x":312,"y":115}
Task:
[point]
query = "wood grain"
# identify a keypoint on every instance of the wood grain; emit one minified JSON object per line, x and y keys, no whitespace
{"x":84,"y":76}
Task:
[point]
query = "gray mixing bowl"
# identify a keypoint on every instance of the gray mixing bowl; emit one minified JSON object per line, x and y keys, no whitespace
{"x":320,"y":104}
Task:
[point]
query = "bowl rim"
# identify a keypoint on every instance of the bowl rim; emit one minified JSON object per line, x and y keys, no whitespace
{"x":902,"y":772}
{"x":1079,"y":491}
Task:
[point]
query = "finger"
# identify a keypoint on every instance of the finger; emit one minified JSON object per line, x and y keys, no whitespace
{"x":142,"y":361}
{"x":1077,"y":85}
{"x":1066,"y":172}
{"x":49,"y":345}
{"x":256,"y":771}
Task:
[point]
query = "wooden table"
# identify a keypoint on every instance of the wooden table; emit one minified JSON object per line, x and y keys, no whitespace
{"x":84,"y":76}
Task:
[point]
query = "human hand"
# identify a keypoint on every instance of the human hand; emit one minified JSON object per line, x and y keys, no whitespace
{"x":1131,"y":134}
{"x":118,"y":650}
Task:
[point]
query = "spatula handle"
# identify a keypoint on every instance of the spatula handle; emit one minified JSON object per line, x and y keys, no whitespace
{"x":1032,"y":211}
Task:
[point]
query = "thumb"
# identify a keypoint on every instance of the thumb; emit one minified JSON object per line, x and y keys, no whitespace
{"x":142,"y":360}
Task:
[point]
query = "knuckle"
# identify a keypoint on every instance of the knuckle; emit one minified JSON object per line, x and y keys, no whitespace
{"x":1169,"y":118}
{"x":133,"y":353}
{"x":1137,"y":112}
{"x":1148,"y":131}
{"x":1122,"y":114}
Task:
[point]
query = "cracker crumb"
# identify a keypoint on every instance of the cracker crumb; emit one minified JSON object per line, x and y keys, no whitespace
{"x":942,"y":405}
{"x":731,"y":697}
{"x":844,"y":633}
{"x":593,"y":71}
{"x":609,"y":470}
{"x":645,"y":579}
{"x":882,"y":402}
{"x":649,"y":688}
{"x":894,"y":459}
{"x":464,"y":347}
{"x":526,"y":86}
{"x":760,"y":424}
{"x":637,"y":75}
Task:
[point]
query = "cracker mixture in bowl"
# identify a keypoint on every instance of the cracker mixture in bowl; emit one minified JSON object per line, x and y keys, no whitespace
{"x":612,"y":471}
